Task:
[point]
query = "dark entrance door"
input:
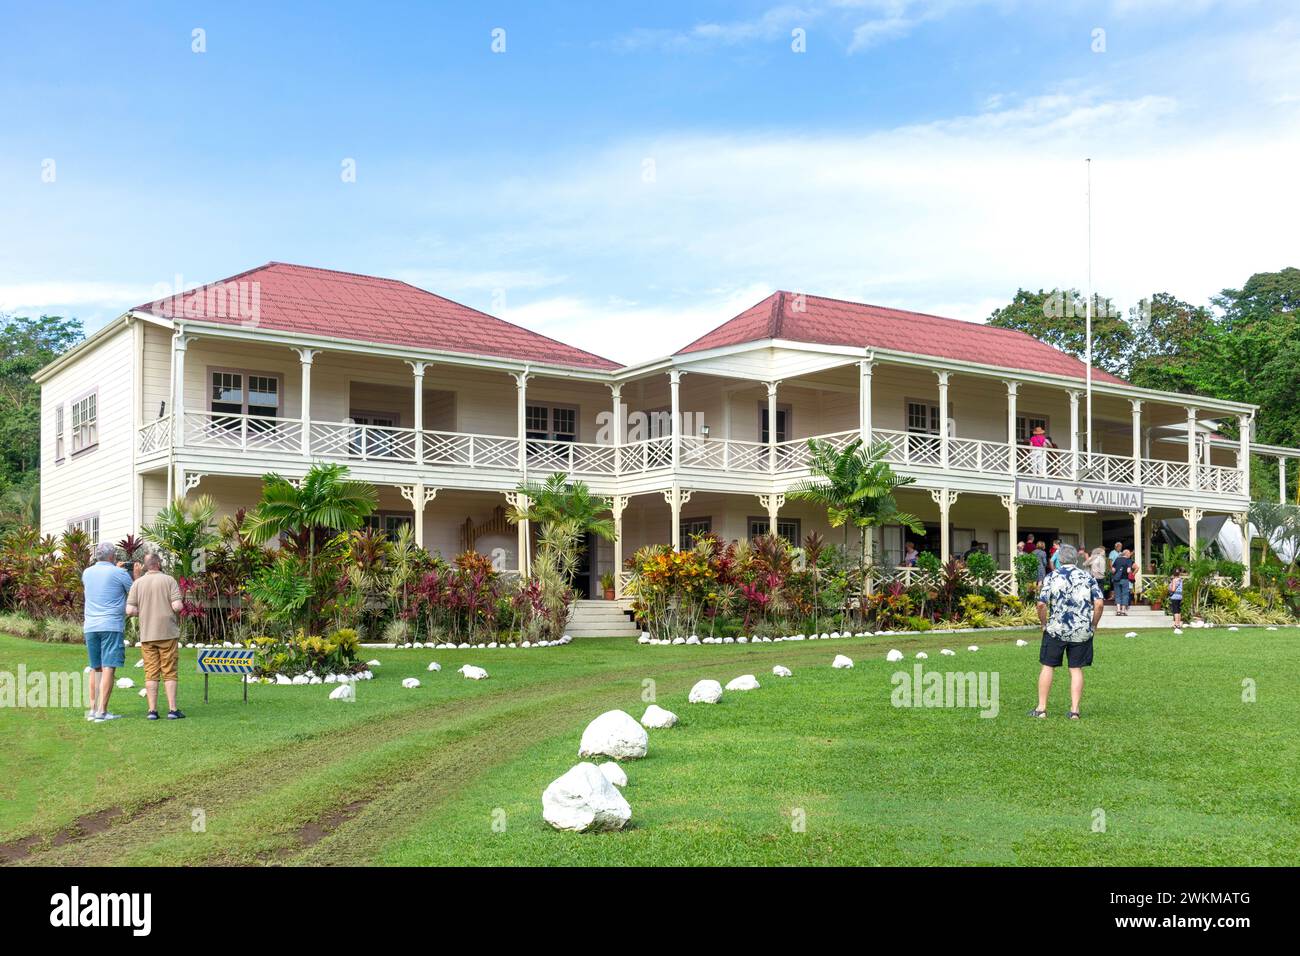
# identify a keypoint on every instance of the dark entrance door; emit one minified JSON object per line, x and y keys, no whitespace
{"x":582,"y":576}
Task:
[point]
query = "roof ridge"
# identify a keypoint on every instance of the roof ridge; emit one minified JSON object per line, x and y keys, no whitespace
{"x":778,"y":314}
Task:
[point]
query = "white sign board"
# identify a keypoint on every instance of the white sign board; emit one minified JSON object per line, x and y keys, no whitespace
{"x":1084,"y":496}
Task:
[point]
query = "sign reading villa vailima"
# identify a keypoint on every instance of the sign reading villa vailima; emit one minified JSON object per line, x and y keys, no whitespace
{"x":1070,"y":494}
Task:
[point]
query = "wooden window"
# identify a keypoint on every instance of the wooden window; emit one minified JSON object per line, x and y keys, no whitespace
{"x":85,"y":423}
{"x":787,"y":528}
{"x":922,"y":417}
{"x":692,"y":528}
{"x":1025,"y":425}
{"x":551,"y":422}
{"x":88,"y":524}
{"x":389,"y":522}
{"x":782,"y":423}
{"x":58,"y":434}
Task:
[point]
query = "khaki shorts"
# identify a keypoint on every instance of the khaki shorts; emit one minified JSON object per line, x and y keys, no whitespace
{"x":159,"y":659}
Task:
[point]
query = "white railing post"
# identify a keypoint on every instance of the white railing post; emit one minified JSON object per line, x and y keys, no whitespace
{"x":943,"y":419}
{"x":675,"y":389}
{"x":771,"y":425}
{"x":1191,"y":449}
{"x":1136,"y":403}
{"x":1074,"y":435}
{"x":417,"y":375}
{"x":305,"y":358}
{"x":180,"y":342}
{"x":1013,"y":389}
{"x":864,"y":398}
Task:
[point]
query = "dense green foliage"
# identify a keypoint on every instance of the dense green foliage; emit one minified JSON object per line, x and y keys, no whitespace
{"x":1244,"y":346}
{"x":25,"y":346}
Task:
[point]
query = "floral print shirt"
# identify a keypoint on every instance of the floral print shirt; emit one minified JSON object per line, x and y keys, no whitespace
{"x":1069,"y":593}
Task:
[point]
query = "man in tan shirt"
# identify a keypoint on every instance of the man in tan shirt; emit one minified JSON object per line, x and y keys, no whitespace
{"x":156,"y":599}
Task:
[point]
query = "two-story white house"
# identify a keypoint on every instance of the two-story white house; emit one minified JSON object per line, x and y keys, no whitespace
{"x":447,"y":410}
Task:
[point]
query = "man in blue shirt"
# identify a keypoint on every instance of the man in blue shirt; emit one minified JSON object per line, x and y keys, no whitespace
{"x":106,"y":584}
{"x":1069,"y":606}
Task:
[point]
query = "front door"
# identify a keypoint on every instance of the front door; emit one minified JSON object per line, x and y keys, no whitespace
{"x":583,"y":578}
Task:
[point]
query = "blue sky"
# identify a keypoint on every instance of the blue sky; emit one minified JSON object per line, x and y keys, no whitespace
{"x":625,"y":176}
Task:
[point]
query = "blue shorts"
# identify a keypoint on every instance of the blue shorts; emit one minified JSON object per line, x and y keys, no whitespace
{"x":105,"y":649}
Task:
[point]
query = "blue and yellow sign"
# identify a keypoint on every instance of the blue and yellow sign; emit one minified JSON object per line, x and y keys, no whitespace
{"x":225,"y":660}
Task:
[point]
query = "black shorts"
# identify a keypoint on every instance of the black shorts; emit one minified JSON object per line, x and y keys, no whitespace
{"x":1054,"y":649}
{"x":1176,"y":605}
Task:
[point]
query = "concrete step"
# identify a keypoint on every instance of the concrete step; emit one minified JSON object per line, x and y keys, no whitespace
{"x":1137,"y":617}
{"x":599,"y":619}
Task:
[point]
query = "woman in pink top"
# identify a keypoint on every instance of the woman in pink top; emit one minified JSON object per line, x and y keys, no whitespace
{"x":1039,"y":443}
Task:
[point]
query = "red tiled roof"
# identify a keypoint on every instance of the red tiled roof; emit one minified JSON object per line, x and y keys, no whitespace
{"x":302,"y":299}
{"x":835,"y":322}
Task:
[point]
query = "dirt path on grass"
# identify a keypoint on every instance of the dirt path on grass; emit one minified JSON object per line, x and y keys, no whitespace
{"x":492,"y":728}
{"x":437,"y":752}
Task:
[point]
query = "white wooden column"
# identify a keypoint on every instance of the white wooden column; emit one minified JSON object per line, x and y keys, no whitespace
{"x":616,"y":396}
{"x":519,"y":502}
{"x":180,"y":342}
{"x":305,"y":358}
{"x":1013,"y":389}
{"x":1243,"y":518}
{"x":521,"y":419}
{"x":945,"y":499}
{"x":1191,"y":448}
{"x":772,"y":505}
{"x":1139,"y":552}
{"x":676,"y":498}
{"x":675,"y":389}
{"x":1013,"y":532}
{"x":1193,"y":516}
{"x":1136,"y":404}
{"x":943,"y":419}
{"x":618,"y":503}
{"x":1243,"y":452}
{"x":771,"y":425}
{"x":864,"y":400}
{"x":417,"y":377}
{"x":1074,"y":433}
{"x":418,"y":495}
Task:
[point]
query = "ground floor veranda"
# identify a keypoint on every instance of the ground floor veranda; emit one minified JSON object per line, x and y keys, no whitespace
{"x":454,"y":520}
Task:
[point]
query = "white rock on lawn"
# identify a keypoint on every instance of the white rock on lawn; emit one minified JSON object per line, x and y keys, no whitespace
{"x":343,"y":692}
{"x":614,"y":734}
{"x":1021,"y":642}
{"x":743,"y":682}
{"x":1131,"y":634}
{"x":302,"y":679}
{"x":140,"y":663}
{"x":411,"y":683}
{"x":922,"y":656}
{"x":844,"y":663}
{"x":434,"y":666}
{"x":373,"y":664}
{"x":583,"y":800}
{"x":614,"y":773}
{"x":894,"y":655}
{"x":125,"y":683}
{"x":471,"y":672}
{"x":705,"y":692}
{"x":656,"y":718}
{"x":973,"y":647}
{"x":144,"y":692}
{"x":782,"y":671}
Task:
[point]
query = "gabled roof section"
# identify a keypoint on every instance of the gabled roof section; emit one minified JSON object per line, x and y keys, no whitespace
{"x":822,"y":321}
{"x":321,"y":302}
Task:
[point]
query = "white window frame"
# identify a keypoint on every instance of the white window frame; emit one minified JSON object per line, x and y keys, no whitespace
{"x":1027,"y":421}
{"x":88,"y":523}
{"x":85,"y":436}
{"x":59,"y":435}
{"x":755,"y":520}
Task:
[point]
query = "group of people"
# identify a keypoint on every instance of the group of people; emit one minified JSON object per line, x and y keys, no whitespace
{"x":112,"y":595}
{"x":1115,"y":572}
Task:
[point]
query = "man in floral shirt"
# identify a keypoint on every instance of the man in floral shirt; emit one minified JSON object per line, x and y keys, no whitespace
{"x":1069,"y":606}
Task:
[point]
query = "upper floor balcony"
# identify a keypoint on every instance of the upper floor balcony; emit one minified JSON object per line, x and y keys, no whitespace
{"x":269,"y":442}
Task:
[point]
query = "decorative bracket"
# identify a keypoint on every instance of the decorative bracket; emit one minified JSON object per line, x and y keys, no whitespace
{"x":418,"y":495}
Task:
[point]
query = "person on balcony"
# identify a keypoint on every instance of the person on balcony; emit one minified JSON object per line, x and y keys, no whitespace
{"x":909,"y":555}
{"x":1069,"y":606}
{"x":1039,"y":443}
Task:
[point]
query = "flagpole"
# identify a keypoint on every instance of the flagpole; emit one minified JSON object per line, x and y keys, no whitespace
{"x":1088,"y":316}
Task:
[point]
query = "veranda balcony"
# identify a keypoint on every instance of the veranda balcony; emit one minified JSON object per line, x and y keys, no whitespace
{"x":910,"y":452}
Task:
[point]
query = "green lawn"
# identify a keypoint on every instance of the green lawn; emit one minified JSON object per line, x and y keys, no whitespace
{"x":1184,"y":771}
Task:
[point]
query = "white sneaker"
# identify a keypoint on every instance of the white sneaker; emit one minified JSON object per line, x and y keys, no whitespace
{"x":107,"y":716}
{"x":92,"y":715}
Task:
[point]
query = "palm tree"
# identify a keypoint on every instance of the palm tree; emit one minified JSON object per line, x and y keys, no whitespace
{"x":856,"y":486}
{"x":565,"y":513}
{"x":324,"y":501}
{"x":185,"y":530}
